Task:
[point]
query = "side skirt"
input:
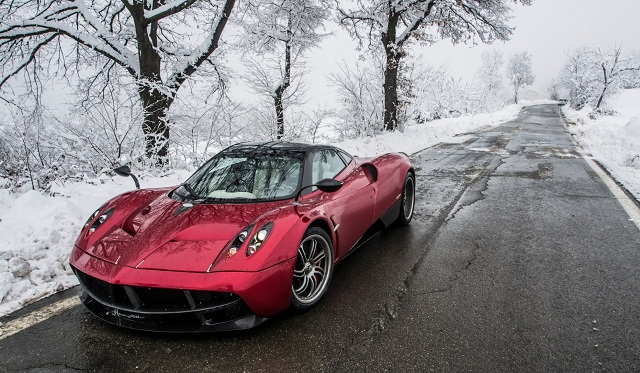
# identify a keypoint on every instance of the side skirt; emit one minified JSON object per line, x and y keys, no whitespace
{"x":385,"y":220}
{"x":392,"y":214}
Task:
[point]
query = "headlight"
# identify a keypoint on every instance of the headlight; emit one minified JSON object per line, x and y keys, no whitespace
{"x":98,"y":219}
{"x":239,"y":240}
{"x":259,"y":238}
{"x":93,"y":216}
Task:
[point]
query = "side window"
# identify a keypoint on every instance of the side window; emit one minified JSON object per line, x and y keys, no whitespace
{"x":326,"y":165}
{"x":346,"y":157}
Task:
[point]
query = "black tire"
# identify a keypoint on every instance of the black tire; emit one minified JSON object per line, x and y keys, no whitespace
{"x":408,"y":200}
{"x":313,"y":269}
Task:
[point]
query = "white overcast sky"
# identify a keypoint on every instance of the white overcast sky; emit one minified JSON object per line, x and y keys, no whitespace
{"x":548,"y":29}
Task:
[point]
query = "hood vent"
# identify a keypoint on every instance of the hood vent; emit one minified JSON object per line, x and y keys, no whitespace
{"x":183,"y":208}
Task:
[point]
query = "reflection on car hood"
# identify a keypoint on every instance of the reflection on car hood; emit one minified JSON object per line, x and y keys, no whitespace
{"x":169,"y":235}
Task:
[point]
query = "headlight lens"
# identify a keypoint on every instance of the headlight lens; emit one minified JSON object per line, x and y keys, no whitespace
{"x":101,"y":218}
{"x":93,"y":216}
{"x":258,"y":239}
{"x":238,"y":241}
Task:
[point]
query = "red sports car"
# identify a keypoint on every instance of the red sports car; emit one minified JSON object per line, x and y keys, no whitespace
{"x":256,"y":230}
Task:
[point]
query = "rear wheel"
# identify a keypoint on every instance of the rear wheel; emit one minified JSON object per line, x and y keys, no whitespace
{"x":313,"y":270}
{"x":408,"y":199}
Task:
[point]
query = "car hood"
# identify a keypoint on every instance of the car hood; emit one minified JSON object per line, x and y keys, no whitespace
{"x":165,"y":234}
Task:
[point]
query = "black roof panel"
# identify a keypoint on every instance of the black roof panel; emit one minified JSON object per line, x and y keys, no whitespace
{"x":258,"y":147}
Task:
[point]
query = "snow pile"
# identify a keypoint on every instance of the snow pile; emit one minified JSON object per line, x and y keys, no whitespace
{"x":613,"y":140}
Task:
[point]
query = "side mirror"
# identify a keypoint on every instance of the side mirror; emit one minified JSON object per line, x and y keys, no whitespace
{"x":325,"y":185}
{"x":329,"y":185}
{"x":126,"y":171}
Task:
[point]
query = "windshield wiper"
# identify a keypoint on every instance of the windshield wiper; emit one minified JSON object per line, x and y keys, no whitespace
{"x":189,"y":189}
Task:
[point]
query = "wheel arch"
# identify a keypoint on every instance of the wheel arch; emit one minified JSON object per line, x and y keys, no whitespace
{"x":324,"y":225}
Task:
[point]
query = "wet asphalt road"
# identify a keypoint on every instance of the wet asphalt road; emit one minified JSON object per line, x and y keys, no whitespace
{"x":518,"y":259}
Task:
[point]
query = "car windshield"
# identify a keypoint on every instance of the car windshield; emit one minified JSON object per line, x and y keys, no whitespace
{"x":245,"y":177}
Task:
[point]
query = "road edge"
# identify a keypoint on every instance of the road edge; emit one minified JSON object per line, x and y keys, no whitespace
{"x":626,"y":199}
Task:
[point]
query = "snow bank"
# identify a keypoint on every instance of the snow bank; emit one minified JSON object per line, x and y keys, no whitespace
{"x":37,"y":233}
{"x":613,"y":140}
{"x":419,"y":136}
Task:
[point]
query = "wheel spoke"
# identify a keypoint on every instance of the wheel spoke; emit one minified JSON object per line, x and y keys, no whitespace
{"x":313,"y":283}
{"x":305,"y":284}
{"x":318,"y":257}
{"x":314,"y":248}
{"x":302,"y":253}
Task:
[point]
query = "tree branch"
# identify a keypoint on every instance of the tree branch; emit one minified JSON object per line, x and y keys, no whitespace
{"x":28,"y":60}
{"x":167,"y":10}
{"x":202,"y":53}
{"x":417,"y":22}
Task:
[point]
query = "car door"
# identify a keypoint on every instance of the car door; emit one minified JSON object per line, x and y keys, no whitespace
{"x":351,"y":209}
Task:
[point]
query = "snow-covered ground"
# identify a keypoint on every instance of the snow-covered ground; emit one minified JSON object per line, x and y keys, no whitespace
{"x":37,"y":231}
{"x":613,"y":140}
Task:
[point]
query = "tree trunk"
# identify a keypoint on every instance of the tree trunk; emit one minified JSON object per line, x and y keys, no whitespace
{"x":606,"y":85}
{"x":391,"y":92}
{"x":286,"y":81}
{"x":154,"y":125}
{"x":600,"y":98}
{"x":155,"y":103}
{"x":279,"y":114}
{"x":393,"y":56}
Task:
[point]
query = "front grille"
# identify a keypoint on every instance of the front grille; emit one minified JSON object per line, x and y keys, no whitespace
{"x":151,"y":301}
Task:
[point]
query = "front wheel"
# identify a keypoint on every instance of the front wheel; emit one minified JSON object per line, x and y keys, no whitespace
{"x":313,"y":270}
{"x":408,"y":199}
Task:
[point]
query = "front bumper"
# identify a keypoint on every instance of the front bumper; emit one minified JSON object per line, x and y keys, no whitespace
{"x":181,"y":301}
{"x":166,"y":310}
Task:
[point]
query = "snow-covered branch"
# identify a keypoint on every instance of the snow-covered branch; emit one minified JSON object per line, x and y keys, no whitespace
{"x":74,"y":20}
{"x":416,"y":22}
{"x":190,"y":63}
{"x":166,"y":10}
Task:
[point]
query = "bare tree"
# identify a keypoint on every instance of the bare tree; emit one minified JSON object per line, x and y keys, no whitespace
{"x":202,"y":130}
{"x":491,"y":76}
{"x":114,"y":133}
{"x":360,"y":96}
{"x":286,"y":29}
{"x":28,"y":155}
{"x":519,"y":72}
{"x":390,"y":26}
{"x":317,"y":119}
{"x":149,"y":39}
{"x":612,"y":70}
{"x":578,"y":76}
{"x":591,"y":75}
{"x":265,"y":77}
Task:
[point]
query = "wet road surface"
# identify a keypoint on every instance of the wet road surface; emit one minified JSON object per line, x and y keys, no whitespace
{"x":518,"y":259}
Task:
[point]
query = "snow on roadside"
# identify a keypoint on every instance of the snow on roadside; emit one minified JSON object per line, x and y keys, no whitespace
{"x":37,"y":231}
{"x":419,"y":136}
{"x":613,"y":140}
